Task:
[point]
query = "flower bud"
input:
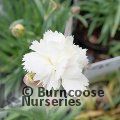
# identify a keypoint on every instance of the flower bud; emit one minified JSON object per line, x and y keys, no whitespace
{"x":28,"y":80}
{"x":17,"y":30}
{"x":75,"y":9}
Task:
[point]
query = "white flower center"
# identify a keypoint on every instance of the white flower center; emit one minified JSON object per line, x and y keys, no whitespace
{"x":52,"y":64}
{"x":54,"y":67}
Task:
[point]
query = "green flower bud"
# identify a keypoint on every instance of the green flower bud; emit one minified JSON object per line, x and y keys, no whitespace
{"x":17,"y":30}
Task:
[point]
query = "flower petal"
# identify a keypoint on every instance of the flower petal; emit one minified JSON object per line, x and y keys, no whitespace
{"x":73,"y":79}
{"x":53,"y":83}
{"x":33,"y":62}
{"x":50,"y":36}
{"x":35,"y":46}
{"x":75,"y":83}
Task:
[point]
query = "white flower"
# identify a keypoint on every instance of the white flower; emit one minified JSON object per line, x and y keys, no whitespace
{"x":56,"y":61}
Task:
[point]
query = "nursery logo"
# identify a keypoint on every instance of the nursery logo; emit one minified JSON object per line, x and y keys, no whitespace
{"x":43,"y":97}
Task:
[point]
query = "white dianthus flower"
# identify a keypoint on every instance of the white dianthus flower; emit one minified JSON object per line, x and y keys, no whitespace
{"x":56,"y":61}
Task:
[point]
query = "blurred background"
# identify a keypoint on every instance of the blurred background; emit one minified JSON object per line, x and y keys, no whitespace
{"x":95,"y":25}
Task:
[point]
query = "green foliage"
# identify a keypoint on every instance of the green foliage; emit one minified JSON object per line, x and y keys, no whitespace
{"x":40,"y":113}
{"x":36,"y":16}
{"x":114,"y":48}
{"x":104,"y":14}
